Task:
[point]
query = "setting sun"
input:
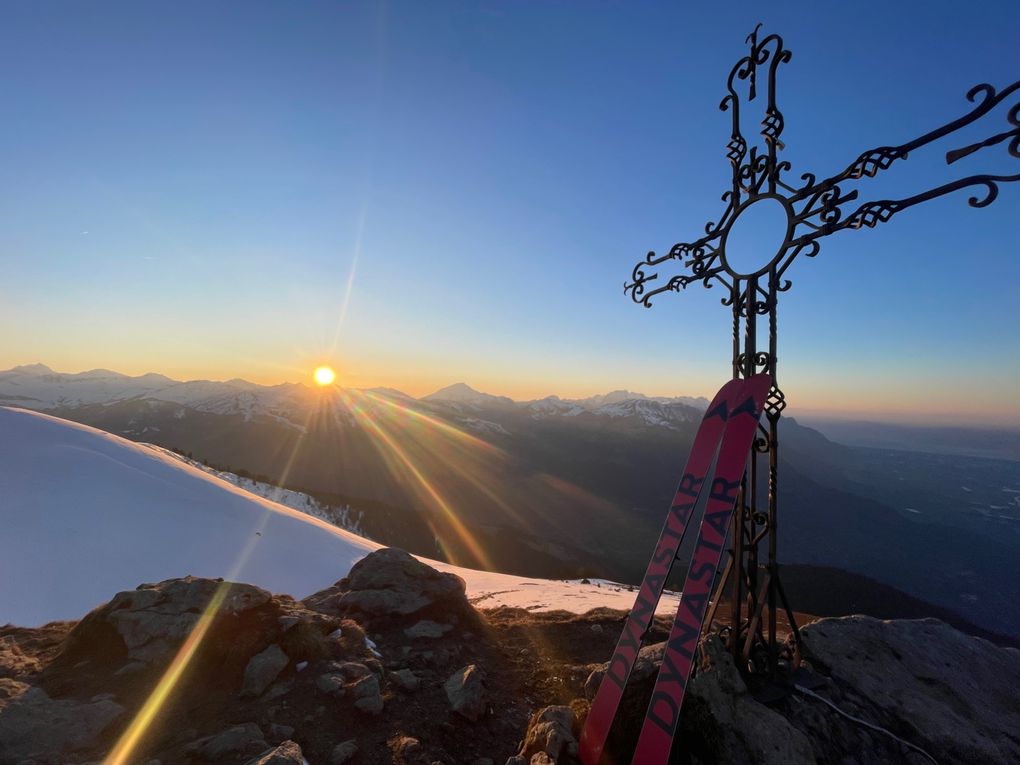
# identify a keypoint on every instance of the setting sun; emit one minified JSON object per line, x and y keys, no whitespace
{"x":324,"y":376}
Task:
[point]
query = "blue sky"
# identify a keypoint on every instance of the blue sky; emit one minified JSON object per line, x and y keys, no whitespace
{"x":468,"y":186}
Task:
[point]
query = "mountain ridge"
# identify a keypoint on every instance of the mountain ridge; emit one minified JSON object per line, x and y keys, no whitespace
{"x":459,"y":392}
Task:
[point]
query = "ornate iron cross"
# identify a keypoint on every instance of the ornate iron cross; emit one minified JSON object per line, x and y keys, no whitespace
{"x":813,"y":208}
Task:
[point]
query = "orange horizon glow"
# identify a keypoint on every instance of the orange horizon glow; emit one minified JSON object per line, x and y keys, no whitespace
{"x":877,"y":400}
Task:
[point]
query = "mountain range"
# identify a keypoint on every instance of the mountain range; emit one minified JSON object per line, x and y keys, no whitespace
{"x":565,"y":488}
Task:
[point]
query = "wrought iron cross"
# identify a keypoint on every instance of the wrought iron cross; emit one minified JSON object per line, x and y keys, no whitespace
{"x":814,"y":208}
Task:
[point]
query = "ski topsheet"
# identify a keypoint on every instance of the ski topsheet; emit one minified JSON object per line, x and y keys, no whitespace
{"x":664,"y":708}
{"x":706,"y":443}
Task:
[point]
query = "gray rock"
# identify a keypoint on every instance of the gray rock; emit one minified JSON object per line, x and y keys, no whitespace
{"x":351,"y":670}
{"x":263,"y":668}
{"x":465,"y":690}
{"x":237,"y":741}
{"x":953,"y":695}
{"x":406,"y":679}
{"x":550,"y":731}
{"x":427,"y":629}
{"x":343,"y":753}
{"x":391,"y":582}
{"x":367,"y":695}
{"x":34,"y":726}
{"x":287,"y":753}
{"x":646,"y":667}
{"x":331,"y":683}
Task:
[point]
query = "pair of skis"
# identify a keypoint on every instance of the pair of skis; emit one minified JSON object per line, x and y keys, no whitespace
{"x":729,"y":428}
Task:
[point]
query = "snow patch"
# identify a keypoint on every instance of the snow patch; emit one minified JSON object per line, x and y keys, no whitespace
{"x":87,"y":514}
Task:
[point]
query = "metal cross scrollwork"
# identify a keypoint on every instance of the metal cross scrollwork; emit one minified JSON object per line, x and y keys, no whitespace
{"x":814,"y":208}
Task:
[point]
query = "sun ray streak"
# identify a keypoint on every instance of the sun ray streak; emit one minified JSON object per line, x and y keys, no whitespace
{"x":448,"y":513}
{"x":434,"y":422}
{"x":123,"y":750}
{"x":349,"y":287}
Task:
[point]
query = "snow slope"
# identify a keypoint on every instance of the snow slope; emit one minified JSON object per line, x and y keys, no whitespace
{"x":85,"y":514}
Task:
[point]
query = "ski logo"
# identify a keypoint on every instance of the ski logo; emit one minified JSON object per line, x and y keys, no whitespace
{"x":654,"y":581}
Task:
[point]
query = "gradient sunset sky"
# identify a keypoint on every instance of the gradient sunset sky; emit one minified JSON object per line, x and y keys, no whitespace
{"x":422,"y":193}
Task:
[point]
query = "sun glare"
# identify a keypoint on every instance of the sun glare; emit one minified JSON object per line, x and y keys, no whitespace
{"x":324,"y":376}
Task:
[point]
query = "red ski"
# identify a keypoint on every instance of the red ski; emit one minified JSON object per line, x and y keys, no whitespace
{"x":663,"y":713}
{"x":706,"y":444}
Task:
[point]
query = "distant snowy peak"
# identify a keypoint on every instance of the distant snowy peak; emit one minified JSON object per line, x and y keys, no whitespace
{"x":389,"y":393}
{"x":30,"y":369}
{"x":613,"y":397}
{"x":652,"y":412}
{"x":461,"y":393}
{"x":38,"y":387}
{"x":553,"y":405}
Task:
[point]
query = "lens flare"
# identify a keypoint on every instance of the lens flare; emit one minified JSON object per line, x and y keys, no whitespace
{"x":324,"y":376}
{"x":123,"y":751}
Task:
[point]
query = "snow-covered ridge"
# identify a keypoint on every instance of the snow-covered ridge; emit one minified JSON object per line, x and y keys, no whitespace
{"x":86,"y":513}
{"x":342,"y":516}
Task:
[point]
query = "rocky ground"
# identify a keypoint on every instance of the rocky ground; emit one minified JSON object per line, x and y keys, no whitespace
{"x":393,"y":665}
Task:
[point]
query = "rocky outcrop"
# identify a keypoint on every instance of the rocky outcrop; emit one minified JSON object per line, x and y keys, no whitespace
{"x":953,"y":695}
{"x":140,"y":631}
{"x":391,"y":583}
{"x":272,"y":681}
{"x":267,"y":680}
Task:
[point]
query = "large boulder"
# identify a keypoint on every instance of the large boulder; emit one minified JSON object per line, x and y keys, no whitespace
{"x":870,"y":692}
{"x":250,"y":636}
{"x":953,"y":695}
{"x":155,"y":618}
{"x":390,"y":583}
